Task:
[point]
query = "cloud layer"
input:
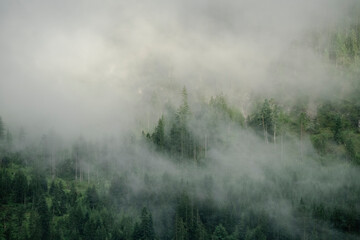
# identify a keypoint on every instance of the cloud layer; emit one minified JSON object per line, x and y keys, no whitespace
{"x":94,"y":65}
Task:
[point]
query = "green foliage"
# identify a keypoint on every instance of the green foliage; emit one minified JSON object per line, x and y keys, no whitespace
{"x":220,"y":233}
{"x":158,"y":137}
{"x":118,"y":189}
{"x":35,"y":228}
{"x":176,"y":135}
{"x":44,"y":217}
{"x":146,"y":225}
{"x":137,"y":234}
{"x":5,"y":186}
{"x":172,"y":135}
{"x":92,"y":198}
{"x":37,"y":186}
{"x":188,"y":224}
{"x":59,"y":199}
{"x":352,"y":145}
{"x":77,"y":220}
{"x":344,"y":45}
{"x":20,"y":187}
{"x":225,"y":112}
{"x":320,"y":140}
{"x":180,"y":231}
{"x":268,"y":120}
{"x":66,"y":169}
{"x":144,"y":230}
{"x":255,"y":234}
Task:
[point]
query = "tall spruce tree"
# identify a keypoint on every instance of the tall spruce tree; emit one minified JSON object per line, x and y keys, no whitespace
{"x":146,"y":225}
{"x":44,"y":217}
{"x":20,"y":187}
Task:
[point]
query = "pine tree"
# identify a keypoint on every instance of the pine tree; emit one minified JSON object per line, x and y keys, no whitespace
{"x":200,"y":232}
{"x":92,"y":198}
{"x":146,"y":225}
{"x":158,"y":137}
{"x":35,"y":228}
{"x":180,"y":130}
{"x":37,"y":186}
{"x":255,"y":234}
{"x":20,"y":187}
{"x":137,"y":233}
{"x":180,"y":231}
{"x":77,"y":219}
{"x":72,"y":196}
{"x":220,"y":233}
{"x":5,"y":186}
{"x":44,"y":217}
{"x":58,"y":207}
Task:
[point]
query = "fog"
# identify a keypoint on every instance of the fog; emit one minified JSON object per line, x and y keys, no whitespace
{"x":91,"y":67}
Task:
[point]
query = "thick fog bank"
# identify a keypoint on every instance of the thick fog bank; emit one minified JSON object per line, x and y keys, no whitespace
{"x":96,"y":67}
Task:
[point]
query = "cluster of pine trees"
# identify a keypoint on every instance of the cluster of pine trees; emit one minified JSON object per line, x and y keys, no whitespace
{"x":334,"y":130}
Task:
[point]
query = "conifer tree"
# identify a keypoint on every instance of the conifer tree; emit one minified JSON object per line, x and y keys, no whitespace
{"x":158,"y":137}
{"x":20,"y":187}
{"x":220,"y":233}
{"x":146,"y":225}
{"x":44,"y":217}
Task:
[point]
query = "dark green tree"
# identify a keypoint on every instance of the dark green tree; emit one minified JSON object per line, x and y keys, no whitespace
{"x":5,"y":186}
{"x":44,"y":217}
{"x":180,"y":231}
{"x":92,"y":197}
{"x":20,"y":187}
{"x":137,"y":233}
{"x":118,"y":189}
{"x":146,"y":225}
{"x":220,"y":233}
{"x":255,"y":234}
{"x":35,"y":228}
{"x":58,"y":206}
{"x":77,"y":219}
{"x":72,"y":195}
{"x":37,"y":186}
{"x":158,"y":137}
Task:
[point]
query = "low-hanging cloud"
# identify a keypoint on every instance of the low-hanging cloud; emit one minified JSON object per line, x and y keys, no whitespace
{"x":91,"y":67}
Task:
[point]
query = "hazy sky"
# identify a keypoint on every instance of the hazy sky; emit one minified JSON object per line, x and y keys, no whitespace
{"x":81,"y":66}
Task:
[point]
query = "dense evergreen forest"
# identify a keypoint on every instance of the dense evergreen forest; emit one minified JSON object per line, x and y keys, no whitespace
{"x":205,"y":170}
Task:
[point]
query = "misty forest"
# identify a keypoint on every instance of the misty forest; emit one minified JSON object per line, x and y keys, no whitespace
{"x":180,"y":120}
